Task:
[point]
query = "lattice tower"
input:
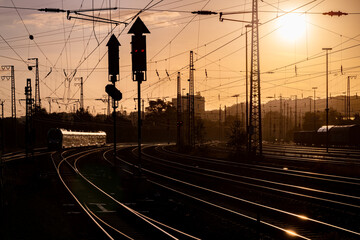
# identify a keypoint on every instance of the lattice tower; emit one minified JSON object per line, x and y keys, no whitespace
{"x":255,"y":135}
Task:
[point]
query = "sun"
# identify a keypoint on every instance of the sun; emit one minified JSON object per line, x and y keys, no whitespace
{"x":292,"y":26}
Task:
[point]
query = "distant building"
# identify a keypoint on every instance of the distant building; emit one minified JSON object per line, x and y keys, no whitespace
{"x":212,"y":115}
{"x":199,"y":104}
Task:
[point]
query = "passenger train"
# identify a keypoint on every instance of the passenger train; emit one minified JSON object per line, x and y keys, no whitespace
{"x":58,"y":138}
{"x":339,"y":135}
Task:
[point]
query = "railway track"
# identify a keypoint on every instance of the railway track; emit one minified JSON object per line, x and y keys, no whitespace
{"x":209,"y":198}
{"x":21,"y":154}
{"x":313,"y":154}
{"x":204,"y":178}
{"x":267,"y":183}
{"x":79,"y":172}
{"x":305,"y":154}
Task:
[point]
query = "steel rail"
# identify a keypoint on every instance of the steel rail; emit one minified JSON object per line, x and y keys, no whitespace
{"x":141,"y":216}
{"x":264,"y":206}
{"x":253,"y":203}
{"x":313,"y":175}
{"x":265,"y":181}
{"x":218,"y":206}
{"x":76,"y":199}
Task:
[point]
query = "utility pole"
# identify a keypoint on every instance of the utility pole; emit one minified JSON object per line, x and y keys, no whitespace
{"x":288,"y":119}
{"x":2,"y":108}
{"x":138,"y":52}
{"x":327,"y":97}
{"x":191,"y":102}
{"x":37,"y":104}
{"x":12,"y":78}
{"x":284,"y":126}
{"x":220,"y":123}
{"x":291,"y":123}
{"x":242,"y":114}
{"x":296,"y":112}
{"x":247,"y":86}
{"x":1,"y":165}
{"x":2,"y":127}
{"x":346,"y":103}
{"x":270,"y":125}
{"x":188,"y":129}
{"x":281,"y":119}
{"x":314,"y":88}
{"x":348,"y":111}
{"x":179,"y":121}
{"x":81,"y":84}
{"x":28,"y":119}
{"x":255,"y":139}
{"x":2,"y":131}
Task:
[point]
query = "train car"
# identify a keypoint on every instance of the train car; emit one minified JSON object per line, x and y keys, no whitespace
{"x":320,"y":138}
{"x":338,"y":135}
{"x":304,"y":138}
{"x":346,"y":135}
{"x":61,"y":138}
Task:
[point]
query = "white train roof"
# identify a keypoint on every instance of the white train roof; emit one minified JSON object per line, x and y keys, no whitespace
{"x":336,"y":127}
{"x":68,"y":132}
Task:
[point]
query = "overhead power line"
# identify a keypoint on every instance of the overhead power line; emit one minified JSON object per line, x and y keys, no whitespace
{"x":201,"y":12}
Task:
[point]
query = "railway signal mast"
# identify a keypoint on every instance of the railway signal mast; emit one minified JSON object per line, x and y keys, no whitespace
{"x":113,"y":56}
{"x":138,"y":57}
{"x":37,"y":85}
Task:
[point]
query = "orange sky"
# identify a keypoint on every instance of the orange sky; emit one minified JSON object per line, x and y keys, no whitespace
{"x":219,"y":50}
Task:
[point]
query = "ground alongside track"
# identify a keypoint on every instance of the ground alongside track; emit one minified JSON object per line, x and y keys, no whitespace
{"x":38,"y":206}
{"x":32,"y":191}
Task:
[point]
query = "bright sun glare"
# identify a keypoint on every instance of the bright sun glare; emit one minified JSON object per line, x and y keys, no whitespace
{"x":292,"y":26}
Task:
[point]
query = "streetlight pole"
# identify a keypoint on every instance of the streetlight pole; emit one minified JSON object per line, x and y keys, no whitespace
{"x":247,"y":87}
{"x":314,"y":107}
{"x":327,"y":98}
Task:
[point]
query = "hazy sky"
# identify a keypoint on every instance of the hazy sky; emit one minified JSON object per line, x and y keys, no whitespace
{"x":291,"y":57}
